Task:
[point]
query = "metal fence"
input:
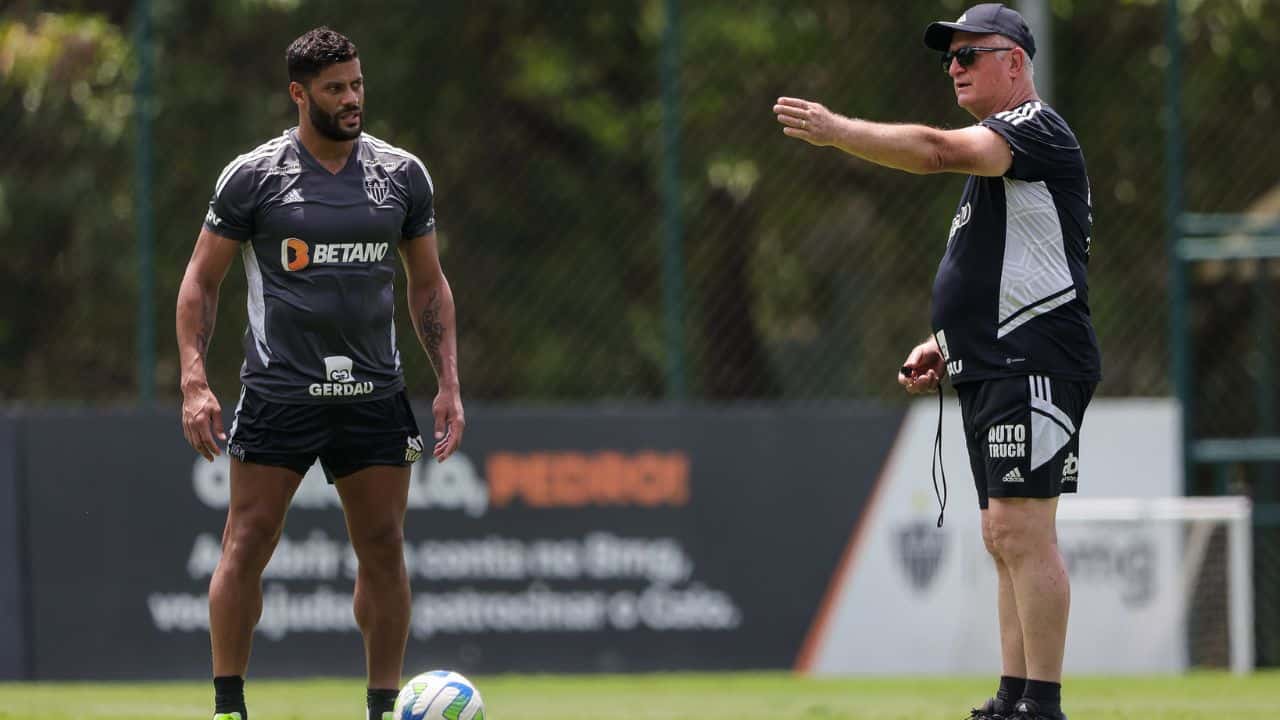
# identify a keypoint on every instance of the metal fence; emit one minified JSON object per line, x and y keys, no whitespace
{"x":1226,"y":298}
{"x":567,"y":198}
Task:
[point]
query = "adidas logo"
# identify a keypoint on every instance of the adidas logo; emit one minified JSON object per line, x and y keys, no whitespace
{"x":1014,"y":475}
{"x":1020,"y":114}
{"x":293,"y":196}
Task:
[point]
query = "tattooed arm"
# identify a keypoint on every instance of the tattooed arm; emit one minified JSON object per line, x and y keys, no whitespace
{"x":197,"y":310}
{"x":431,"y":307}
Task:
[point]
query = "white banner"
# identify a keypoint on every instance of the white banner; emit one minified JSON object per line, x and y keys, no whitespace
{"x":912,"y":598}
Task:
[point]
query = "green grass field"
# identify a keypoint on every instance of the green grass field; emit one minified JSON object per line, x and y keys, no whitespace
{"x":702,"y":696}
{"x":773,"y":696}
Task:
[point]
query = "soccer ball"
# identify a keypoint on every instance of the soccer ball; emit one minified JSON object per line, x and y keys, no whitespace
{"x":439,"y":695}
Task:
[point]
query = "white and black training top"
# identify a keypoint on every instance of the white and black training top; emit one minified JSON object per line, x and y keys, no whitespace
{"x":1011,"y":296}
{"x":319,"y":253}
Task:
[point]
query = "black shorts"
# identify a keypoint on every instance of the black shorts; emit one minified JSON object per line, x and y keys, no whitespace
{"x":1024,"y":435}
{"x":345,"y":436}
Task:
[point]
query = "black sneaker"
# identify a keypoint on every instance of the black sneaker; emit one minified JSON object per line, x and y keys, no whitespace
{"x":1026,"y":709}
{"x":992,"y":709}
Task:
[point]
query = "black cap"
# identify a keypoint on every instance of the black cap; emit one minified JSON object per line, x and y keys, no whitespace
{"x":983,"y":19}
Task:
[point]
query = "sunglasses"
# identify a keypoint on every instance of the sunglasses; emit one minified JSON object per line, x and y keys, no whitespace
{"x":966,"y":56}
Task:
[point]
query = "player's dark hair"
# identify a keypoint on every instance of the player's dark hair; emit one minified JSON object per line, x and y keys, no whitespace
{"x":316,"y":50}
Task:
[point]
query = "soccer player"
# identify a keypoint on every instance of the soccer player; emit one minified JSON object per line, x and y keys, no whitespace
{"x":318,"y":216}
{"x":1011,"y":325}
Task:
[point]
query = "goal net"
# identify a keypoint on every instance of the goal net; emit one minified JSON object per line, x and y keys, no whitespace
{"x":1186,"y":560}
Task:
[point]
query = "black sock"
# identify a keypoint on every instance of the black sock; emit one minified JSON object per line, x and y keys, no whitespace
{"x":228,"y":695}
{"x":1048,"y":695}
{"x":381,"y":701}
{"x":1011,"y":689}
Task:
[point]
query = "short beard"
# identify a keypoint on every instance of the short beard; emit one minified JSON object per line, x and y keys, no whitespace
{"x":327,"y":125}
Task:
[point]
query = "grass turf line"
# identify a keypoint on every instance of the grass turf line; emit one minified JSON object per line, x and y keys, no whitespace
{"x":668,"y":696}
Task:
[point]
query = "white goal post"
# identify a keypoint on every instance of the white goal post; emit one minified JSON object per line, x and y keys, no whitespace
{"x":1201,"y":514}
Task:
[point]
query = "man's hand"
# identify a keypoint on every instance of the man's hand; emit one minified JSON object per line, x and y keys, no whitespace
{"x":449,"y":422}
{"x":202,"y":421}
{"x":809,"y":121}
{"x":923,"y":369}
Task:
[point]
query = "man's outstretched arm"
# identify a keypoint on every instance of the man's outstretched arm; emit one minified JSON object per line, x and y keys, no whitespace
{"x":919,"y":149}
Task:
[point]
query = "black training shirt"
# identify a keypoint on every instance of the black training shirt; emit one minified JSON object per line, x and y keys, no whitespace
{"x":319,"y":253}
{"x":1011,"y":297}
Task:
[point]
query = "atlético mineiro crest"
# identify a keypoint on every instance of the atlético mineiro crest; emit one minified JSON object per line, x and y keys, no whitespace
{"x":920,"y":549}
{"x":377,"y":189}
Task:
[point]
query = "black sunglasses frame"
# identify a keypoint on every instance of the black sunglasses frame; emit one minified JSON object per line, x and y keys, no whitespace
{"x":966,"y":56}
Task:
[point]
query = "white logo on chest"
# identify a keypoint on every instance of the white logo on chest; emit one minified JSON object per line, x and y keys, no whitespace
{"x":961,"y":219}
{"x":377,"y":189}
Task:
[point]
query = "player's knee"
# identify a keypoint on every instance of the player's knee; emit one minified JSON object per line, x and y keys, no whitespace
{"x":383,"y":541}
{"x":249,"y":539}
